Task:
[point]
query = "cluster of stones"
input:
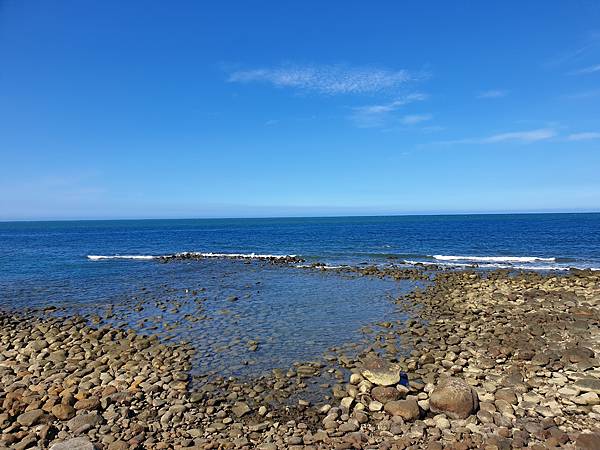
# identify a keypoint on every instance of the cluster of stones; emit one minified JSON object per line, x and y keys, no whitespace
{"x":387,"y":271}
{"x":498,"y":361}
{"x":495,"y":361}
{"x":64,"y":385}
{"x":284,"y":259}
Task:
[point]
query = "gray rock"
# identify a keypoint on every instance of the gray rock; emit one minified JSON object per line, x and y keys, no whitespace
{"x":30,"y":418}
{"x":381,"y":372}
{"x":79,"y":443}
{"x":84,"y":422}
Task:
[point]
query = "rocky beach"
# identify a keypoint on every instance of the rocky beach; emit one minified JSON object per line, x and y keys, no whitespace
{"x":493,"y":360}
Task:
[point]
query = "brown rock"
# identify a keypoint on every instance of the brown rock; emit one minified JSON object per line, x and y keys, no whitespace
{"x":588,"y":441}
{"x":407,"y":409}
{"x":386,"y":394}
{"x":455,"y":398}
{"x":63,"y":412}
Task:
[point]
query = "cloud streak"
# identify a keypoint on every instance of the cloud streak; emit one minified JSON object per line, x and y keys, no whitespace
{"x":376,"y":115}
{"x":326,"y":79}
{"x":413,"y":119}
{"x":586,"y":136}
{"x":494,"y":93}
{"x":525,"y":137}
{"x":588,"y":70}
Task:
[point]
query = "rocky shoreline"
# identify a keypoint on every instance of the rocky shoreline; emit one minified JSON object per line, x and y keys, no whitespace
{"x":495,"y":360}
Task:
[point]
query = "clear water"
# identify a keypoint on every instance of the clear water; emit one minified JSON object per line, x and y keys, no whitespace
{"x":293,"y":314}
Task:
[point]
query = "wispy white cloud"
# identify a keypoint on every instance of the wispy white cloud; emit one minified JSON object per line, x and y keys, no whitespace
{"x":586,"y":47}
{"x":529,"y":136}
{"x":375,"y":115}
{"x":586,"y":136}
{"x":326,"y":79}
{"x":587,"y":70}
{"x":494,"y":93}
{"x":413,"y":119}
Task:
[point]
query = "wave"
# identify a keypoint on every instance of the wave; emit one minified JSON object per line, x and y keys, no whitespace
{"x":198,"y":255}
{"x":495,"y":265}
{"x":499,"y":259}
{"x":101,"y":257}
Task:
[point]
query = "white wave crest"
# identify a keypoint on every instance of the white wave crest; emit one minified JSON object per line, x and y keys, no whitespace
{"x":500,"y":259}
{"x":232,"y":255}
{"x":198,"y":254}
{"x":101,"y":257}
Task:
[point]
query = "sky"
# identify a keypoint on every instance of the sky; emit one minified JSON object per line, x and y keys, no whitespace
{"x":156,"y":109}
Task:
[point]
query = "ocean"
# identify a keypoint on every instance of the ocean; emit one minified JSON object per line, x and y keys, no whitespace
{"x":109,"y":268}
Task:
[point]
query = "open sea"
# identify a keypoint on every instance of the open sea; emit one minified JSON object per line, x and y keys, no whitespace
{"x":224,"y":305}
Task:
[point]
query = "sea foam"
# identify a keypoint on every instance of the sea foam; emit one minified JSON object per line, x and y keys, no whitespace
{"x":498,"y":259}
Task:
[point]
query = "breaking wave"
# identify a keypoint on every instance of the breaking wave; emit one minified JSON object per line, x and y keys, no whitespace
{"x":199,"y":255}
{"x":497,"y":259}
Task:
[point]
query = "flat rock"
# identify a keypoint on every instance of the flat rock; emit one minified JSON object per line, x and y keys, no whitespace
{"x":83,"y":422}
{"x":79,"y":443}
{"x":30,"y":418}
{"x":240,"y":409}
{"x":381,"y":372}
{"x":588,"y":385}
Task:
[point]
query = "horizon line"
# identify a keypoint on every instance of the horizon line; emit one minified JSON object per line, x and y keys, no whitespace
{"x":416,"y":214}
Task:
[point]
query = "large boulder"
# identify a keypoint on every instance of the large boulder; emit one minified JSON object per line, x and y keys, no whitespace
{"x":455,"y":398}
{"x":381,"y":372}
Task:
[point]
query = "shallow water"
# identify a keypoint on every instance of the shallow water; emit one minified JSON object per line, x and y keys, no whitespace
{"x":222,"y":307}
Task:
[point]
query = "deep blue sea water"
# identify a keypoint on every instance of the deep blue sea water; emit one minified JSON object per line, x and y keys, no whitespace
{"x":293,"y":313}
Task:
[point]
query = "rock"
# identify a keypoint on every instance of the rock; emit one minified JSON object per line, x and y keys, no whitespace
{"x":375,"y":406}
{"x":30,"y":418}
{"x":407,"y":409}
{"x":588,"y":441}
{"x":385,"y":394}
{"x":588,"y":385}
{"x":83,"y":422}
{"x":455,"y":398}
{"x":63,"y":412}
{"x":381,"y":372}
{"x":88,"y":404}
{"x":240,"y":409}
{"x":507,"y":395}
{"x":79,"y":443}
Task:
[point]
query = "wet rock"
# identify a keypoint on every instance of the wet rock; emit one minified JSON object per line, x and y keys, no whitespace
{"x":381,"y":372}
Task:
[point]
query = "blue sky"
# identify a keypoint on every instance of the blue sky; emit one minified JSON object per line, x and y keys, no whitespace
{"x":112,"y":109}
